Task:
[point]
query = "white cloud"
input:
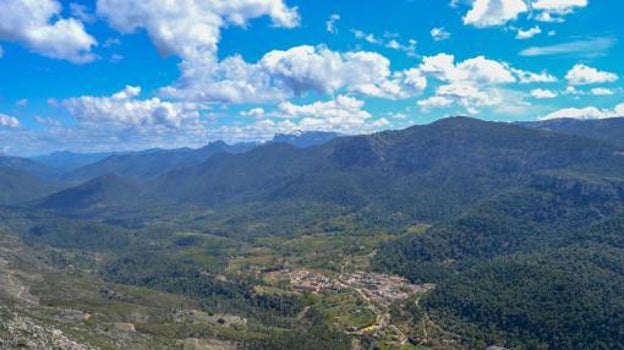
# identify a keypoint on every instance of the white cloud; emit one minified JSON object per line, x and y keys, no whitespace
{"x":393,"y":44}
{"x":254,"y":113}
{"x":47,"y":121}
{"x":581,"y":74}
{"x":543,"y":93}
{"x":22,"y":102}
{"x":484,"y":71}
{"x":38,"y":25}
{"x":558,"y":6}
{"x":123,"y":110}
{"x":602,"y":92}
{"x":440,"y":34}
{"x":82,"y":12}
{"x":571,"y":90}
{"x":110,"y":42}
{"x":548,"y":17}
{"x":369,"y":38}
{"x":296,"y":72}
{"x":587,"y":113}
{"x":468,"y":96}
{"x":388,"y":40}
{"x":343,"y":114}
{"x":409,"y":48}
{"x":191,"y":29}
{"x":582,"y":48}
{"x":477,"y":83}
{"x":488,"y":13}
{"x":9,"y":122}
{"x":478,"y":70}
{"x":526,"y":77}
{"x":553,"y":11}
{"x":435,"y":102}
{"x":330,"y":25}
{"x":529,"y":33}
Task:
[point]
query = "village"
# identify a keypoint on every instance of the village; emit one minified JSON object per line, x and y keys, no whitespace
{"x":379,"y":288}
{"x":378,"y":291}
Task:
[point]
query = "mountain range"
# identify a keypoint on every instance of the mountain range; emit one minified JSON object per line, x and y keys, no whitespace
{"x":518,"y":226}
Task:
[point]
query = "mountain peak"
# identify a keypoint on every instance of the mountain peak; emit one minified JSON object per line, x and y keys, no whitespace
{"x":303,"y":139}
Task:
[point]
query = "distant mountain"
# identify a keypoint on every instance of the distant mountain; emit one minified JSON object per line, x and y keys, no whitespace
{"x":67,"y":161}
{"x":608,"y":130}
{"x":28,"y":166}
{"x":151,"y":163}
{"x":23,"y":180}
{"x":421,"y":173}
{"x":424,"y":173}
{"x":18,"y":186}
{"x":305,"y":139}
{"x":102,"y":193}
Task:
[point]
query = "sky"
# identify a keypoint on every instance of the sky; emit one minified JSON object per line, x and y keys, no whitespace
{"x":118,"y":75}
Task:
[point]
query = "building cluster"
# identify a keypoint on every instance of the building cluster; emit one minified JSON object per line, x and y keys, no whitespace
{"x":377,"y":287}
{"x":384,"y":288}
{"x":306,"y":280}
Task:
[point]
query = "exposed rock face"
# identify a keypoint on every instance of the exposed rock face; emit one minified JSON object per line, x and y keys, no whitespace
{"x":18,"y":332}
{"x":585,"y":187}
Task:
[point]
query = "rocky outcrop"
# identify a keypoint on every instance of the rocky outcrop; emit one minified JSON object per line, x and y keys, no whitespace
{"x":581,"y":185}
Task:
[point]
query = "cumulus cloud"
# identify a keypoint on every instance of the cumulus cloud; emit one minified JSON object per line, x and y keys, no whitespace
{"x":581,"y":74}
{"x":526,"y":77}
{"x":529,"y":33}
{"x":8,"y":122}
{"x":559,"y":7}
{"x":439,"y":34}
{"x":38,"y":25}
{"x":280,"y":75}
{"x":587,"y":113}
{"x":554,"y":11}
{"x":191,"y":29}
{"x":543,"y":93}
{"x":343,"y":114}
{"x":475,"y":83}
{"x":478,"y":70}
{"x":434,"y":102}
{"x":571,"y":90}
{"x":123,"y":110}
{"x":488,"y":13}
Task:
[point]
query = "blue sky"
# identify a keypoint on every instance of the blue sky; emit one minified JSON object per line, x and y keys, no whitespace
{"x":132,"y":74}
